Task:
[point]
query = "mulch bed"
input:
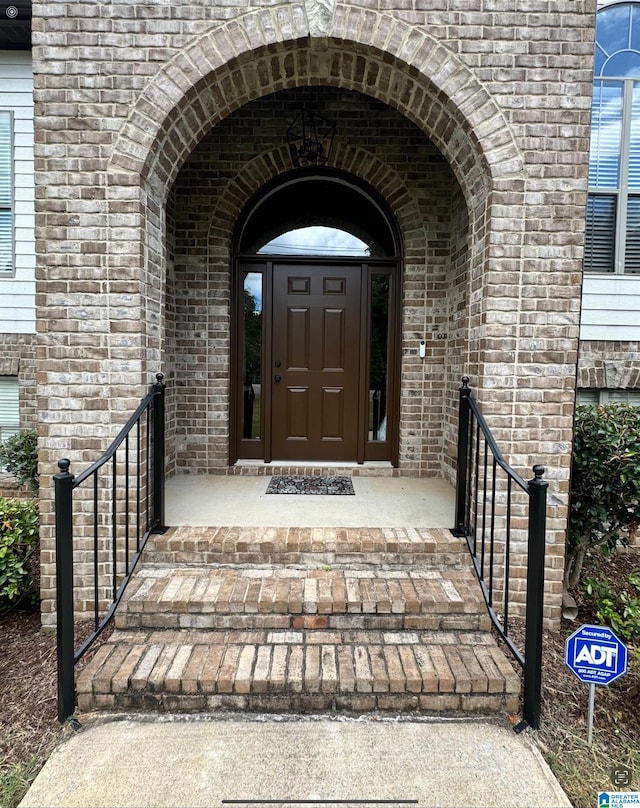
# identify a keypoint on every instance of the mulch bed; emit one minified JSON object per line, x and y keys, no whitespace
{"x":29,"y":726}
{"x":28,"y":688}
{"x":583,"y":771}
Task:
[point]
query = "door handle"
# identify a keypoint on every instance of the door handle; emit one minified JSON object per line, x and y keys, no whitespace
{"x":277,"y":378}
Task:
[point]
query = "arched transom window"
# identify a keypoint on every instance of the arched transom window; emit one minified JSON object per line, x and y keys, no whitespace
{"x":612,"y":241}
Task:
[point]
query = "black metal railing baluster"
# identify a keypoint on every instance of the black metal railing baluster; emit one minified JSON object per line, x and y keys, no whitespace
{"x":114,"y":529}
{"x":150,"y":501}
{"x":492,"y":533}
{"x":158,"y":454}
{"x":149,"y":481}
{"x":507,"y":553}
{"x":138,"y":486}
{"x":484,"y":506}
{"x":473,"y":524}
{"x":126,"y":501}
{"x":471,"y":471}
{"x":472,"y":431}
{"x":96,"y":598}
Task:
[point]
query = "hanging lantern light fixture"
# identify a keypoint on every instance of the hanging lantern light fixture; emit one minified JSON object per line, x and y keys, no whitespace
{"x":310,"y":138}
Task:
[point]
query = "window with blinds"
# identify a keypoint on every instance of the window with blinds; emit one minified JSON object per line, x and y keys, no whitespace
{"x":600,"y":233}
{"x":593,"y":396}
{"x":612,"y":238}
{"x":6,"y":192}
{"x":9,"y":409}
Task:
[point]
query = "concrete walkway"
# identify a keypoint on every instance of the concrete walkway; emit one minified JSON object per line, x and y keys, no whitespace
{"x":124,"y":762}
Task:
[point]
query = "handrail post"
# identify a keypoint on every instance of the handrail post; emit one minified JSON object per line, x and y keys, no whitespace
{"x":462,"y":459}
{"x":159,"y":455}
{"x":63,"y":486}
{"x":535,"y":598}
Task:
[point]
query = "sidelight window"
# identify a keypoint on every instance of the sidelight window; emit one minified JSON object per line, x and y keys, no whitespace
{"x":379,"y":357}
{"x":252,"y":355}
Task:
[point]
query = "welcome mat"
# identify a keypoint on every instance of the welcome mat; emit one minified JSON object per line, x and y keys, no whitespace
{"x":311,"y":485}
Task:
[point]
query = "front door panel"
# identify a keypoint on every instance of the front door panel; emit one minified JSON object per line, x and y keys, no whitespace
{"x":316,"y":362}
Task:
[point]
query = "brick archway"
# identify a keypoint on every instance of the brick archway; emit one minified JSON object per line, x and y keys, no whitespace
{"x":262,"y":52}
{"x":266,"y":167}
{"x":509,"y":112}
{"x":229,"y":204}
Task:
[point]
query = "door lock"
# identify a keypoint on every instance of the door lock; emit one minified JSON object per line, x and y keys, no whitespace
{"x":277,"y":378}
{"x":277,"y":363}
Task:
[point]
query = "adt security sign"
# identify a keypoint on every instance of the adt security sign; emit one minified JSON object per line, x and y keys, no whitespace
{"x":595,"y":655}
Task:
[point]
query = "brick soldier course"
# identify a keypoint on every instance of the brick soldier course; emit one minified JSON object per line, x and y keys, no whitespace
{"x":157,"y":122}
{"x":606,"y":365}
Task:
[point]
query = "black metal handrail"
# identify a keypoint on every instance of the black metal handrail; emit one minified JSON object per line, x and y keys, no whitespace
{"x":125,"y":492}
{"x":485,"y":518}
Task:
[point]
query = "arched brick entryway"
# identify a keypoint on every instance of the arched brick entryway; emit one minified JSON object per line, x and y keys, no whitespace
{"x":506,"y":327}
{"x":219,"y":73}
{"x":415,"y":75}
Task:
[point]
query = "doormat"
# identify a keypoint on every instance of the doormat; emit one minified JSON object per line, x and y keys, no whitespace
{"x":311,"y":485}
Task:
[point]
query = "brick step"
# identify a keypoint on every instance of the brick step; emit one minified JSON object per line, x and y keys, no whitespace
{"x":221,"y":597}
{"x":299,"y":671}
{"x":434,"y":548}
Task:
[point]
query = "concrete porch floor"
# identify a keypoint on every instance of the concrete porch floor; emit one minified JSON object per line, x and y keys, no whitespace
{"x":241,"y":501}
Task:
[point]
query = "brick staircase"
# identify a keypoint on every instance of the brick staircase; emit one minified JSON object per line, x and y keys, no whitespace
{"x":301,"y":620}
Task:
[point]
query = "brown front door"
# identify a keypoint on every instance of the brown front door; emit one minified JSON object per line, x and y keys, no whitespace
{"x":316,"y":368}
{"x":316,"y":362}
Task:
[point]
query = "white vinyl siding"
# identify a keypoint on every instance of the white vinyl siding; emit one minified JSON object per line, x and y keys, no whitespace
{"x":9,"y":416}
{"x":17,"y":282}
{"x":610,"y":308}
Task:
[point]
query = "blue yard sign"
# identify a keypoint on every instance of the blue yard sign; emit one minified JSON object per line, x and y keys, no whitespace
{"x":595,"y":655}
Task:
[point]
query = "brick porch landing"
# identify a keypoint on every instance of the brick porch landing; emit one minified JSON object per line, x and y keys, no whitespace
{"x":302,"y":620}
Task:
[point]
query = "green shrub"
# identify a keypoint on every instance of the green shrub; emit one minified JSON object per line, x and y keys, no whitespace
{"x":19,"y":455}
{"x":605,"y":482}
{"x":19,"y":541}
{"x":617,"y":607}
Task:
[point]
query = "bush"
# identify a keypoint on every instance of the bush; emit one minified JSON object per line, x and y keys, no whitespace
{"x":19,"y":455}
{"x":605,"y":482}
{"x":19,"y":541}
{"x":617,"y":606}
